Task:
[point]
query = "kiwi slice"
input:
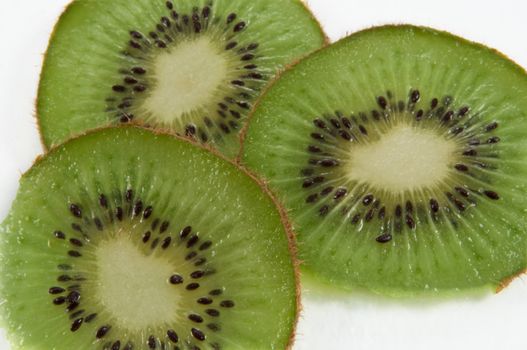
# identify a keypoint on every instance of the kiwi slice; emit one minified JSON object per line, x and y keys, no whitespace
{"x":123,"y":239}
{"x":400,"y":154}
{"x":190,"y":67}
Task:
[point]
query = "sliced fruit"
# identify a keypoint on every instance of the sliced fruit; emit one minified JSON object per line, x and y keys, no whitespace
{"x":123,"y":239}
{"x":400,"y":155}
{"x":190,"y":67}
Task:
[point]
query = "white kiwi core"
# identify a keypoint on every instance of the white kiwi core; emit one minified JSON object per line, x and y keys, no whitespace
{"x":132,"y":287}
{"x":405,"y":158}
{"x":185,"y":78}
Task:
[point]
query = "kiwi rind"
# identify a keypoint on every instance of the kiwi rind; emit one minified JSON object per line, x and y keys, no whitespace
{"x":14,"y":333}
{"x":244,"y":159}
{"x":47,"y":128}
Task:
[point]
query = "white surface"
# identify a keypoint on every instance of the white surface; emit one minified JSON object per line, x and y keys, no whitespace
{"x":347,"y":322}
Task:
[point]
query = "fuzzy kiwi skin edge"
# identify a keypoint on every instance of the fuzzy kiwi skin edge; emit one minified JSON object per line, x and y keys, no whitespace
{"x":291,"y":237}
{"x":67,"y":8}
{"x":321,"y":283}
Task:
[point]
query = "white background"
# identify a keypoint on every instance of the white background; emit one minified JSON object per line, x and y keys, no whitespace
{"x":358,"y":322}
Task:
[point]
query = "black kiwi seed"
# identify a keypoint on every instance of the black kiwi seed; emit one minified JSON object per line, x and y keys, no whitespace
{"x":356,"y":218}
{"x":199,"y":335}
{"x":154,"y":244}
{"x":138,"y":71}
{"x":384,"y":238}
{"x":227,"y":303}
{"x":398,"y":211}
{"x":118,"y":88}
{"x":64,"y":278}
{"x":368,"y":199}
{"x":166,"y":242}
{"x":470,"y":153}
{"x":164,"y":227}
{"x":212,"y":312}
{"x":324,"y":210}
{"x":172,"y":335}
{"x":239,"y":27}
{"x":152,"y":342}
{"x":76,"y":314}
{"x":56,"y":290}
{"x":73,"y":297}
{"x":191,"y":255}
{"x":206,"y":245}
{"x":76,"y":242}
{"x":59,"y":300}
{"x":205,"y":12}
{"x":328,"y":163}
{"x":231,"y":18}
{"x":185,"y":232}
{"x":72,"y":306}
{"x":462,"y":191}
{"x":59,"y":235}
{"x":381,"y":101}
{"x":148,"y":212}
{"x":195,"y":318}
{"x":119,"y":213}
{"x":74,"y":254}
{"x":492,"y":195}
{"x":116,"y":345}
{"x":461,"y":167}
{"x":197,"y":274}
{"x":326,"y":191}
{"x":491,"y":126}
{"x":312,"y":198}
{"x":369,"y":215}
{"x":204,"y":301}
{"x":90,"y":318}
{"x":154,"y":225}
{"x":138,"y":208}
{"x":192,"y":241}
{"x":146,"y":236}
{"x":176,"y":279}
{"x":415,"y":96}
{"x":101,"y":332}
{"x":76,"y":324}
{"x":216,"y":292}
{"x":434,"y":205}
{"x":410,"y":222}
{"x":494,"y":139}
{"x":192,"y":286}
{"x":76,"y":210}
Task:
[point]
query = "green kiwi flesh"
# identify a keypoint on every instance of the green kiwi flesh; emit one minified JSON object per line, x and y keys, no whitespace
{"x":123,"y":239}
{"x":190,"y":67}
{"x":400,"y":154}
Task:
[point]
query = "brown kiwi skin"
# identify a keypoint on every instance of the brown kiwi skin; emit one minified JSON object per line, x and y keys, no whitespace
{"x":327,"y":41}
{"x":291,"y":236}
{"x":243,"y":133}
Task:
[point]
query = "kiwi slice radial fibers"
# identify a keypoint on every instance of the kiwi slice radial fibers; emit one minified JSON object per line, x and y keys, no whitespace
{"x":124,"y":240}
{"x":400,"y":153}
{"x":193,"y":67}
